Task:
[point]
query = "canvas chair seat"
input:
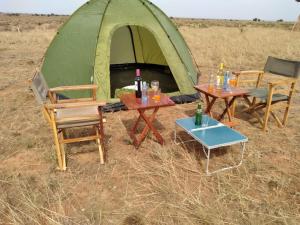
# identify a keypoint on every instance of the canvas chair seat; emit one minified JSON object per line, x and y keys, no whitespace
{"x":77,"y":117}
{"x":262,"y":94}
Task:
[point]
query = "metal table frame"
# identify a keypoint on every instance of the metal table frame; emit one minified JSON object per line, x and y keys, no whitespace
{"x":207,"y":148}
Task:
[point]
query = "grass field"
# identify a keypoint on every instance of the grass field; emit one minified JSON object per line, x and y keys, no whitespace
{"x":153,"y":185}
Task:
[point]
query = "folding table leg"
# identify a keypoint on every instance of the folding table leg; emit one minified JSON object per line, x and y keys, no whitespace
{"x":149,"y":121}
{"x":209,"y":104}
{"x":243,"y":146}
{"x":227,"y":110}
{"x":175,"y":137}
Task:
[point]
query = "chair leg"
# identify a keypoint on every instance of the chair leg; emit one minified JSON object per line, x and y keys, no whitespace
{"x":266,"y":118}
{"x":268,"y":108}
{"x":286,"y":114}
{"x":57,"y":145}
{"x":62,"y":149}
{"x":287,"y":109}
{"x":100,"y":144}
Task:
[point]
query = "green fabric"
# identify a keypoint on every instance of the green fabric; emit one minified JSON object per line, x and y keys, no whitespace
{"x":98,"y":34}
{"x":176,"y":39}
{"x":71,"y":56}
{"x":262,"y":93}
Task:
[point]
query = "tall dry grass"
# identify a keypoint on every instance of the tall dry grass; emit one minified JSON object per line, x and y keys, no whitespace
{"x":154,"y":185}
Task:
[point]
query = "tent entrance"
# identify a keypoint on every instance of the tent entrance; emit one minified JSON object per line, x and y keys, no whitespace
{"x":135,"y":47}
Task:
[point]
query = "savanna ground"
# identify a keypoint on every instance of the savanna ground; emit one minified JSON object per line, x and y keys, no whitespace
{"x":152,"y":185}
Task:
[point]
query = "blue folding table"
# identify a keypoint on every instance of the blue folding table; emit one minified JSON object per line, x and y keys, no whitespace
{"x":213,"y":136}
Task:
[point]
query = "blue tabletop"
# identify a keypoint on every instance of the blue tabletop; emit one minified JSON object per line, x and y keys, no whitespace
{"x":214,"y":135}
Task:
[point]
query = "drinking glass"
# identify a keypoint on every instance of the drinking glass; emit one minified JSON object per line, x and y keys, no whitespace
{"x":211,"y":83}
{"x":205,"y":120}
{"x":155,"y":85}
{"x":232,"y":81}
{"x":156,"y":96}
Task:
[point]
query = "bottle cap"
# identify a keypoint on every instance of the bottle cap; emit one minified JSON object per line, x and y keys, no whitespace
{"x":138,"y":72}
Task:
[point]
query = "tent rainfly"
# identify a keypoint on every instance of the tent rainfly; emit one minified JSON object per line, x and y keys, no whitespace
{"x":104,"y":41}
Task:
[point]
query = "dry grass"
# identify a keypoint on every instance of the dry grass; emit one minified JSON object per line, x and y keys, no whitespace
{"x":154,"y":185}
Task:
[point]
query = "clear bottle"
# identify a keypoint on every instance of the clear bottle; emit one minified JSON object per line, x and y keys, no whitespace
{"x":220,"y":77}
{"x":198,"y":115}
{"x":226,"y":86}
{"x":138,"y":83}
{"x":144,"y":93}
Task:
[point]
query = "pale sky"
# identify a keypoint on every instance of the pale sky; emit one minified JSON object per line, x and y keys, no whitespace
{"x":287,"y":10}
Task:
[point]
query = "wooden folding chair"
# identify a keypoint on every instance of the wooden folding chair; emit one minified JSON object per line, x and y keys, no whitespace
{"x":70,"y":113}
{"x":280,"y":91}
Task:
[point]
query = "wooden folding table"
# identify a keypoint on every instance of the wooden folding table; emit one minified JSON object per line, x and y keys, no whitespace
{"x":228,"y":96}
{"x":132,"y":103}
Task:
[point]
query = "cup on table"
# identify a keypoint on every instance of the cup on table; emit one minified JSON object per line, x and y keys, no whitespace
{"x":205,"y":120}
{"x":156,"y":90}
{"x":154,"y":85}
{"x":232,"y":81}
{"x":211,"y":83}
{"x":156,"y":95}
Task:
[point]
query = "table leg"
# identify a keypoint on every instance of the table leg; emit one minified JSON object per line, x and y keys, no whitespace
{"x":133,"y":131}
{"x":149,"y":120}
{"x":136,"y":124}
{"x":228,"y":104}
{"x":209,"y":104}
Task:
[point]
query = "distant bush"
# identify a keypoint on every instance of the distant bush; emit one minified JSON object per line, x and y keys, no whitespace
{"x":14,"y":14}
{"x":280,"y":20}
{"x":256,"y":20}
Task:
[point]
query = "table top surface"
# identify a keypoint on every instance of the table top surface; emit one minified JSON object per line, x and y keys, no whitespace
{"x":131,"y":102}
{"x":235,"y":91}
{"x":215,"y":135}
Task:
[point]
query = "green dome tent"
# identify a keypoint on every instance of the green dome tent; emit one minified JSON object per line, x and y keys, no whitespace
{"x":104,"y":41}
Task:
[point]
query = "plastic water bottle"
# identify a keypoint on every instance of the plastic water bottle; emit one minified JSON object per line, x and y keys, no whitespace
{"x":226,"y":86}
{"x":144,"y":93}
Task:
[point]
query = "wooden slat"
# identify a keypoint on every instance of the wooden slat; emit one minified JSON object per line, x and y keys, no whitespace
{"x":77,"y":119}
{"x":75,"y":100}
{"x":74,"y":105}
{"x":74,"y":88}
{"x":248,"y":81}
{"x":81,"y":139}
{"x":248,"y":72}
{"x":276,"y":119}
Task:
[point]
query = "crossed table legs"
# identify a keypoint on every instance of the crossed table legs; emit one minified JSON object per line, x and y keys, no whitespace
{"x":148,"y":127}
{"x":228,"y":104}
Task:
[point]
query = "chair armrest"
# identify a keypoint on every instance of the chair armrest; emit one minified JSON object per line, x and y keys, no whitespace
{"x":248,"y":72}
{"x":258,"y":73}
{"x":74,"y":105}
{"x":282,"y":82}
{"x":74,"y":88}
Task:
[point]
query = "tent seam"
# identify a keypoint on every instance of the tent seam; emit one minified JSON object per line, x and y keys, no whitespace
{"x":97,"y":39}
{"x":145,"y":2}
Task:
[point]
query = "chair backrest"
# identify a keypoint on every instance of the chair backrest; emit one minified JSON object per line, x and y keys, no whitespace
{"x":39,"y":88}
{"x":283,"y":67}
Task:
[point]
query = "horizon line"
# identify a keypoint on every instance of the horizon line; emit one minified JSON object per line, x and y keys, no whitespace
{"x":175,"y":17}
